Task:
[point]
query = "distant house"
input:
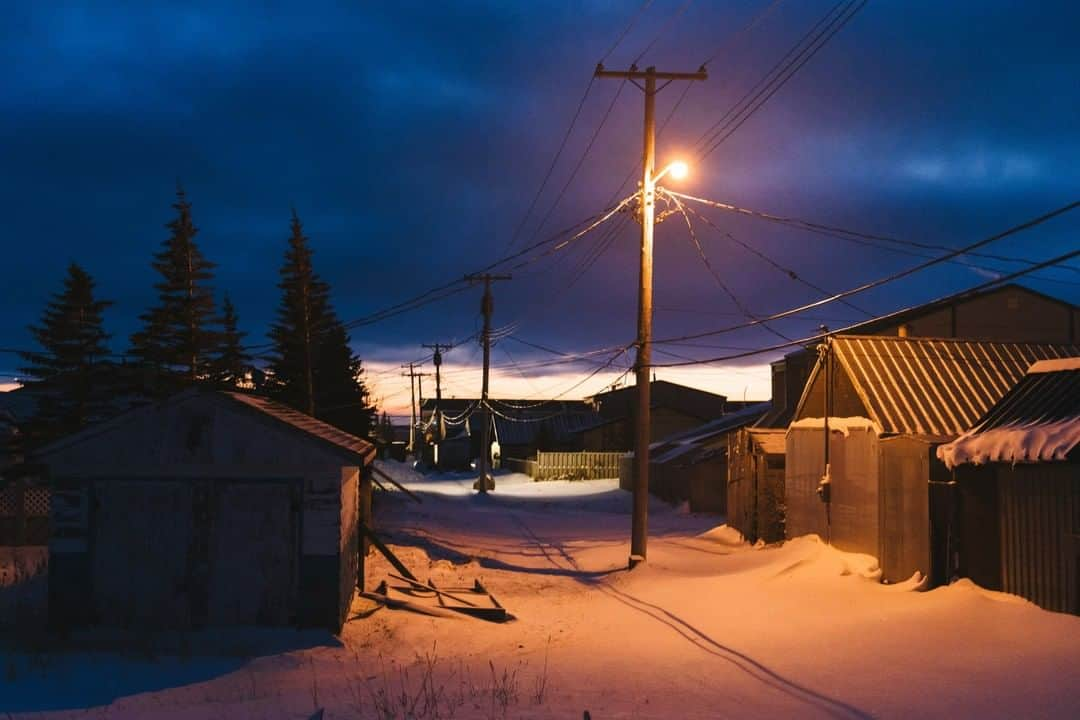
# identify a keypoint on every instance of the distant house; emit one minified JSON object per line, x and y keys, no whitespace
{"x":1008,"y":313}
{"x":205,"y":509}
{"x":1014,"y":515}
{"x":692,"y":466}
{"x":889,"y":402}
{"x":674,"y":409}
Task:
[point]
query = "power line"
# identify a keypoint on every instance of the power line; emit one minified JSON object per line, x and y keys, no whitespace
{"x":785,"y":270}
{"x":626,"y":31}
{"x":874,"y":240}
{"x":892,"y":278}
{"x":821,"y":336}
{"x":716,"y":276}
{"x":775,"y":79}
{"x":663,"y":29}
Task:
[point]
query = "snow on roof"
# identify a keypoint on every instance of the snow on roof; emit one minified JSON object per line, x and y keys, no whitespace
{"x":1038,"y":420}
{"x":837,"y":424}
{"x":1046,"y":366}
{"x":931,"y":386}
{"x":1047,"y":442}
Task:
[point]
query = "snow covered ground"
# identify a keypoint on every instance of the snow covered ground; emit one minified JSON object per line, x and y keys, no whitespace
{"x":709,"y":628}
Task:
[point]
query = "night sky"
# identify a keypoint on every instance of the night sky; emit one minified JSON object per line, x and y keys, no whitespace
{"x":411,"y":138}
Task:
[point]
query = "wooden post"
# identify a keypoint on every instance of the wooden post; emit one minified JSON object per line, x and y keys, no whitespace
{"x":365,"y":521}
{"x":639,"y":530}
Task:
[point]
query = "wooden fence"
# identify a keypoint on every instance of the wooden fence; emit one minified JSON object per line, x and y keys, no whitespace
{"x":24,"y":514}
{"x":528,"y":467}
{"x":576,"y":465}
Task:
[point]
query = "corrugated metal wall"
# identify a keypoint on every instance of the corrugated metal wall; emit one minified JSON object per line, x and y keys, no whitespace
{"x":1040,"y":528}
{"x":854,"y":507}
{"x":905,"y":510}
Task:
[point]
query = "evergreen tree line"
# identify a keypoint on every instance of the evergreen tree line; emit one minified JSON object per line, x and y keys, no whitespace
{"x":186,"y":340}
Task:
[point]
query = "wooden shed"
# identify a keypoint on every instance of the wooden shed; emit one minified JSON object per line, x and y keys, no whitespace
{"x":889,"y":402}
{"x":692,"y":465}
{"x":205,"y":509}
{"x":755,"y":487}
{"x":1016,"y":476}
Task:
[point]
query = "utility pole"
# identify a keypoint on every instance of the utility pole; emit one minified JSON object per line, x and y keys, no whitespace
{"x":437,"y":359}
{"x":487,"y":307}
{"x":640,"y":522}
{"x":413,"y":377}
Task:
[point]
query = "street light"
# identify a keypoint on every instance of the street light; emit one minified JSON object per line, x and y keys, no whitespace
{"x":678,"y":170}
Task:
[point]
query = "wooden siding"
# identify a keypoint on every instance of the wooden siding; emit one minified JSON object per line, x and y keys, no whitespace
{"x":1040,"y":533}
{"x":270,"y":514}
{"x":577,"y":465}
{"x":139,"y":558}
{"x":253,"y":554}
{"x":755,"y":488}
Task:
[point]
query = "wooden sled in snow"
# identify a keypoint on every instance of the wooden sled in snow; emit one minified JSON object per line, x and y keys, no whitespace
{"x":474,"y":601}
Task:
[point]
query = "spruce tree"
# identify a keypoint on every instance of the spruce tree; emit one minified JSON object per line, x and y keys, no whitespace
{"x":177,"y":342}
{"x":342,"y":398}
{"x":232,"y":364}
{"x":313,"y":368}
{"x":303,"y":319}
{"x":67,"y":377}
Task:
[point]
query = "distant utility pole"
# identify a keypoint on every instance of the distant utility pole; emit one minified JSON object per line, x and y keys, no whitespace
{"x":487,"y":306}
{"x":437,"y":359}
{"x":640,"y":522}
{"x":413,"y":376}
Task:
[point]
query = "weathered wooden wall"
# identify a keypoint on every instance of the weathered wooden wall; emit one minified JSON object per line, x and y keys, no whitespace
{"x":245,"y":522}
{"x":755,"y":490}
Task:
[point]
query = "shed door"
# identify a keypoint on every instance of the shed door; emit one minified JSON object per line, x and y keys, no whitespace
{"x":142,"y":530}
{"x":253,"y":554}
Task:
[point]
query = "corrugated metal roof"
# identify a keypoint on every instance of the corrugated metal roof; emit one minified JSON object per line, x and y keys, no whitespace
{"x":306,"y":424}
{"x":926,"y":386}
{"x":702,"y":439}
{"x":1037,"y":420}
{"x":1039,"y":398}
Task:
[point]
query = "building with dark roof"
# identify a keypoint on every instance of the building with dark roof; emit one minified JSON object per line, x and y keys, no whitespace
{"x":692,"y":466}
{"x":205,"y":509}
{"x":675,"y":409}
{"x":1014,"y":495}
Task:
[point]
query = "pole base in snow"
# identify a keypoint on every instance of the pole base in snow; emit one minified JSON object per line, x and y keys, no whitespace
{"x":635,"y":560}
{"x":489,"y":483}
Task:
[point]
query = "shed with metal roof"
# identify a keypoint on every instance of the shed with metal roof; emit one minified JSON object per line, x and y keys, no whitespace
{"x":889,"y":402}
{"x":1015,"y":481}
{"x":755,"y":488}
{"x":205,"y":509}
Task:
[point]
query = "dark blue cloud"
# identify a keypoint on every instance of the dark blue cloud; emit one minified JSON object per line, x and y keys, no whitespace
{"x":412,"y":136}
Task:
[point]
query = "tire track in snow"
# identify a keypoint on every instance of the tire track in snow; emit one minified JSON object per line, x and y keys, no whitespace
{"x":755,"y":669}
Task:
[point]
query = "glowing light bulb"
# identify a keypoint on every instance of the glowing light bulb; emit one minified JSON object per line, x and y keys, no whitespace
{"x":679,"y":170}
